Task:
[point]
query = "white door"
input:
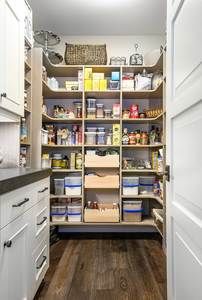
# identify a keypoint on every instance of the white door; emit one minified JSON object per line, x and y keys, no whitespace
{"x":14,"y":263}
{"x":12,"y":55}
{"x":184,"y":151}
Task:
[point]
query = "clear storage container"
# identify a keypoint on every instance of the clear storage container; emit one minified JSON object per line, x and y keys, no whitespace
{"x":73,"y":186}
{"x":91,"y":103}
{"x":58,"y":213}
{"x":91,"y":129}
{"x":130,"y":185}
{"x":100,"y":111}
{"x":90,"y":138}
{"x":108,"y":113}
{"x":146,"y":184}
{"x":132,"y":211}
{"x":101,"y":138}
{"x":59,"y":186}
{"x":91,"y":113}
{"x":74,"y":213}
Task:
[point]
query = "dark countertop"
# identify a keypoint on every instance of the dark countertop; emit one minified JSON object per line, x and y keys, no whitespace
{"x":15,"y":178}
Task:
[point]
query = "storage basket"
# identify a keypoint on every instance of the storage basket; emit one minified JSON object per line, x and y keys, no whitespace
{"x":73,"y":186}
{"x":130,"y":186}
{"x":132,"y":211}
{"x":146,"y":184}
{"x":107,"y":214}
{"x":77,"y":54}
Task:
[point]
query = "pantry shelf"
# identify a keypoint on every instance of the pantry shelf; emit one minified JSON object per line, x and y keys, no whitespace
{"x":143,"y":146}
{"x":25,"y":143}
{"x":48,"y":119}
{"x":110,"y":94}
{"x":64,"y":197}
{"x":61,"y":146}
{"x":102,"y":146}
{"x":60,"y":93}
{"x":144,"y":94}
{"x":147,"y":221}
{"x":157,"y":198}
{"x":66,"y":171}
{"x":102,"y":121}
{"x":144,"y":120}
{"x":139,"y":171}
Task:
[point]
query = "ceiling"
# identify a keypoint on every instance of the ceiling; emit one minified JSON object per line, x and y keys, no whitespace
{"x":100,"y":17}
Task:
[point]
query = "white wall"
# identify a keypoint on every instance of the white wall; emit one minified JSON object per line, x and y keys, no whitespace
{"x":116,"y":45}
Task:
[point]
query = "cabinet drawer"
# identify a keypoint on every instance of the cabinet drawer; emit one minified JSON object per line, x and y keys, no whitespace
{"x":43,"y":189}
{"x":40,"y":264}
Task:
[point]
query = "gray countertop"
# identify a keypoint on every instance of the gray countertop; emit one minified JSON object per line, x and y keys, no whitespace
{"x":14,"y":178}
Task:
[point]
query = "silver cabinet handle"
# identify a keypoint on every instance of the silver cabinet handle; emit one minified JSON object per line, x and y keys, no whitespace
{"x":7,"y":244}
{"x":44,"y":219}
{"x":21,"y":203}
{"x":3,"y":95}
{"x":42,"y":191}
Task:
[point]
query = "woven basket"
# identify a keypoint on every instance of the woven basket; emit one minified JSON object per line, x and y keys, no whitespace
{"x":85,"y":54}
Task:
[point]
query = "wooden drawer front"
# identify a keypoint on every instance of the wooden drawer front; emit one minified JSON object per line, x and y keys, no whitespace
{"x":102,"y":182}
{"x":41,"y":221}
{"x":43,"y":189}
{"x":101,"y":216}
{"x":108,"y":161}
{"x":15,"y":203}
{"x":40,"y":265}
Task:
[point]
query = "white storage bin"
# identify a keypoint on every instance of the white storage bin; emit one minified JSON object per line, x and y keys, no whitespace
{"x":132,"y":211}
{"x":130,"y":186}
{"x":59,"y":186}
{"x":74,"y":213}
{"x":146,"y":184}
{"x":73,"y":186}
{"x":58,"y":213}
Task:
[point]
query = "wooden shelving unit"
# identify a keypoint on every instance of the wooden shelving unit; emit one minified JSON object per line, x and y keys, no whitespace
{"x":121,"y":96}
{"x":27,"y":145}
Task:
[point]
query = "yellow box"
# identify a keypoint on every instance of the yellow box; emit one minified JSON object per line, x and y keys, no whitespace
{"x":116,"y":134}
{"x":103,"y":84}
{"x":98,"y":76}
{"x":88,"y":84}
{"x":88,"y":73}
{"x":96,"y":84}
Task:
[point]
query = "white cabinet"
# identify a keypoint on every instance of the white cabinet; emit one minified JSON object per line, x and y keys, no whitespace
{"x":24,"y":240}
{"x":12,"y":56}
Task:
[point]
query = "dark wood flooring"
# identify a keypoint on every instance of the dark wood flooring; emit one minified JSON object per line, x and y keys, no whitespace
{"x":105,"y":269}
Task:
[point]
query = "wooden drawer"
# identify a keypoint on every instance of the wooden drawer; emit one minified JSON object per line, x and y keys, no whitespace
{"x":108,"y":215}
{"x":43,"y":189}
{"x":102,"y":182}
{"x":96,"y":161}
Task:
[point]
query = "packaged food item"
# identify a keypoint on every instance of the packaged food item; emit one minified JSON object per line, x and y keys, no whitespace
{"x":100,"y":110}
{"x":109,"y":137}
{"x":79,"y":161}
{"x":116,"y":110}
{"x":88,"y":84}
{"x":107,"y":113}
{"x":78,"y":109}
{"x":96,"y":85}
{"x":88,"y":73}
{"x":72,"y":160}
{"x":23,"y":131}
{"x":144,"y":138}
{"x":134,"y":113}
{"x":23,"y":157}
{"x":56,"y":161}
{"x":103,"y":84}
{"x":116,"y":134}
{"x":125,"y":137}
{"x":138,"y":137}
{"x":132,"y":138}
{"x":91,"y":113}
{"x":115,"y":76}
{"x":126,"y":114}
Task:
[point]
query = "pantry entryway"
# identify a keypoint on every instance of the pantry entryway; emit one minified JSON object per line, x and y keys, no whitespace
{"x":105,"y":267}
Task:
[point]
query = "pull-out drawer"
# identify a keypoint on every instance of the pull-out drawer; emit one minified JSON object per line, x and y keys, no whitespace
{"x":43,"y":189}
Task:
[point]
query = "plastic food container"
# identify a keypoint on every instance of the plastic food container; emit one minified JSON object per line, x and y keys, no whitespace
{"x":91,"y":113}
{"x":146,"y":184}
{"x":91,"y":103}
{"x":58,"y":213}
{"x":73,"y":186}
{"x":108,"y":113}
{"x":59,"y":186}
{"x":101,"y":129}
{"x":130,"y":185}
{"x":74,"y":213}
{"x":90,"y":138}
{"x":100,"y":138}
{"x":100,"y":110}
{"x":91,"y":129}
{"x":44,"y":137}
{"x":132,"y":211}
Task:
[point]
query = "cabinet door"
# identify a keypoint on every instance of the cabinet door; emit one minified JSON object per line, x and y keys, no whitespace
{"x":14,"y":260}
{"x":12,"y":55}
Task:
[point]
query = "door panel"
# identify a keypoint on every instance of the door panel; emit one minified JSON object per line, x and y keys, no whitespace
{"x":184,"y":127}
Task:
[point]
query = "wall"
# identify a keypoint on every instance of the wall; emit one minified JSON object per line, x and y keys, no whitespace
{"x":10,"y":144}
{"x":116,"y":45}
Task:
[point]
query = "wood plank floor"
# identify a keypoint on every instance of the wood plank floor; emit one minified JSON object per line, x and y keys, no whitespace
{"x":105,"y":269}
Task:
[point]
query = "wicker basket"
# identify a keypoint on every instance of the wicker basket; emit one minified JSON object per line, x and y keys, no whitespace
{"x":85,"y":54}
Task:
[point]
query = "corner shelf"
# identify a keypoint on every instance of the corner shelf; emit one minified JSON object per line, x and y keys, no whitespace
{"x":48,"y":119}
{"x":66,"y":171}
{"x":60,"y":93}
{"x":144,"y":94}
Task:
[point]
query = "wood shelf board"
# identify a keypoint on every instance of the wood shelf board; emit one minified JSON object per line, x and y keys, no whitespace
{"x":63,"y":196}
{"x":144,"y":120}
{"x":143,"y":146}
{"x":60,"y":146}
{"x":109,"y":94}
{"x":25,"y":143}
{"x":49,"y":119}
{"x":102,"y":121}
{"x":144,"y":94}
{"x":66,"y":171}
{"x":102,"y":146}
{"x":60,"y":93}
{"x":139,"y":171}
{"x":152,"y":197}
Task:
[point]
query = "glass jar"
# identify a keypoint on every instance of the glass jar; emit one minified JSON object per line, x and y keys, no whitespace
{"x":78,"y":163}
{"x":132,"y":138}
{"x":100,"y":111}
{"x":108,"y":113}
{"x":56,"y":161}
{"x":144,"y":138}
{"x":91,"y":102}
{"x":100,"y":138}
{"x":126,"y":114}
{"x":91,"y":113}
{"x":78,"y":109}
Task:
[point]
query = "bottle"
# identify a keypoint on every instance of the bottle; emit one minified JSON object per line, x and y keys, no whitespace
{"x":138,"y":137}
{"x":109,"y":137}
{"x":79,"y":161}
{"x":152,"y":136}
{"x":23,"y":130}
{"x":125,"y":137}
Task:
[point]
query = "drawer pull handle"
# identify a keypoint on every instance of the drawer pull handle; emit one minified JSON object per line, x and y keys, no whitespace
{"x":8,"y":244}
{"x":42,"y":191}
{"x":3,"y":95}
{"x":44,"y":219}
{"x":41,"y":264}
{"x":21,"y":203}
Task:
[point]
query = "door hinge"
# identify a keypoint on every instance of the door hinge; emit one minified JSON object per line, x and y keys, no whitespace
{"x":167,"y":173}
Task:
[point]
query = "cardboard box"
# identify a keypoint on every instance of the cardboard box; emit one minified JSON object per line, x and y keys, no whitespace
{"x":88,"y":73}
{"x":96,"y":84}
{"x":88,"y":84}
{"x":103,"y":84}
